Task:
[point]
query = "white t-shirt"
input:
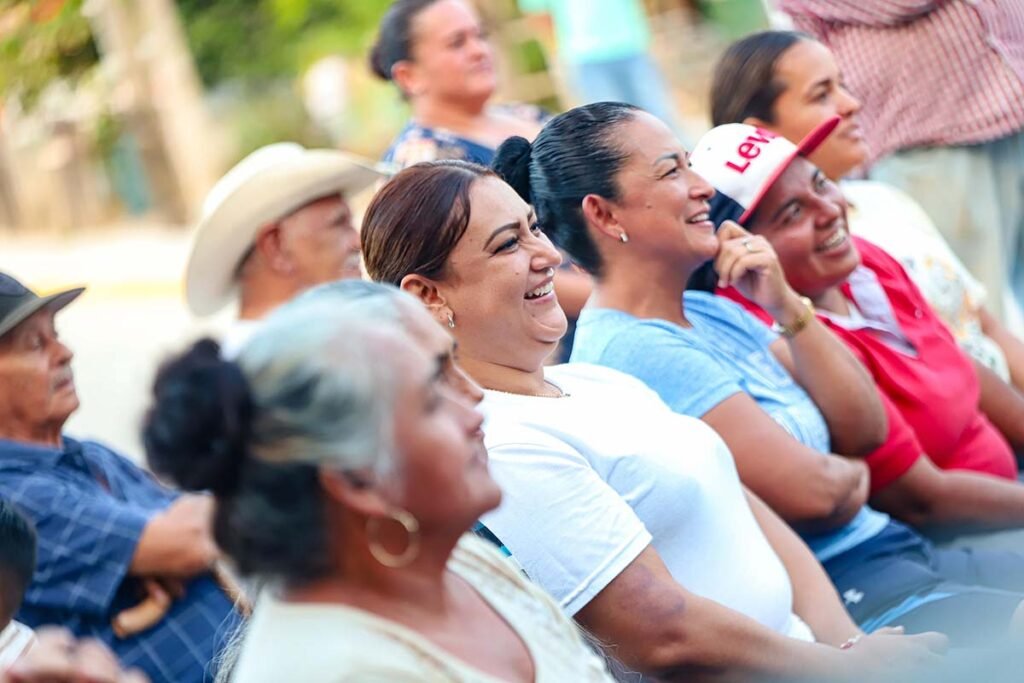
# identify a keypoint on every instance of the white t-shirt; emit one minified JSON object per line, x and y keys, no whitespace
{"x":237,"y":336}
{"x":325,"y":643}
{"x":593,"y":478}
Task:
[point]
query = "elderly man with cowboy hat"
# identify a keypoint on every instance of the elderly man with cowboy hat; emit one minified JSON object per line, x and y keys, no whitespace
{"x":275,"y":225}
{"x":120,"y":558}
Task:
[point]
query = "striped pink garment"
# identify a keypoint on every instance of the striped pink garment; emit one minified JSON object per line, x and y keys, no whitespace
{"x":929,"y":72}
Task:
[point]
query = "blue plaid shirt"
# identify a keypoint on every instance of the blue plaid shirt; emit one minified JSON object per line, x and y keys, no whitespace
{"x":90,"y":506}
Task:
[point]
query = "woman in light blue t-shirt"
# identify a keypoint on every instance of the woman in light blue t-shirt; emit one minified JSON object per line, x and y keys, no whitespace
{"x":611,"y":185}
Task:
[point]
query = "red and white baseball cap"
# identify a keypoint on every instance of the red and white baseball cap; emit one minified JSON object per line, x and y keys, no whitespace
{"x":742,"y":162}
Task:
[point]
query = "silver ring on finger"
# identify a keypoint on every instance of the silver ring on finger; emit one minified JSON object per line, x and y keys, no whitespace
{"x":747,"y":245}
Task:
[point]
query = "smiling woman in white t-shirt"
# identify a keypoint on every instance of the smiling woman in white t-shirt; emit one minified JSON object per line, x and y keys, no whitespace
{"x":348,"y":467}
{"x":630,"y":515}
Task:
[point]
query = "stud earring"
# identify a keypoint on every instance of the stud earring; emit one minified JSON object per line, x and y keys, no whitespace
{"x":451,"y":320}
{"x":623,"y":237}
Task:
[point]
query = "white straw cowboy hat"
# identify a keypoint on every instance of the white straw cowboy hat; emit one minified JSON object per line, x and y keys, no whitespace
{"x":265,"y":186}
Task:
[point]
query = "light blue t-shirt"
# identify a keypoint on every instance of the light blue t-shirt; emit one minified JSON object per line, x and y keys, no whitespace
{"x":694,"y":369}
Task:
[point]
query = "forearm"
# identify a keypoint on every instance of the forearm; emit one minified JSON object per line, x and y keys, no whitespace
{"x":838,"y":383}
{"x":655,"y":626}
{"x":1003,"y":405}
{"x":814,"y":597}
{"x":722,"y":646}
{"x":1008,"y":343}
{"x":178,"y":541}
{"x":846,"y":484}
{"x":769,"y":460}
{"x":978,"y":501}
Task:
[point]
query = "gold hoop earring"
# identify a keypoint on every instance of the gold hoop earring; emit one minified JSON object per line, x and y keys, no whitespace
{"x":623,"y":237}
{"x":386,"y":557}
{"x":451,"y":320}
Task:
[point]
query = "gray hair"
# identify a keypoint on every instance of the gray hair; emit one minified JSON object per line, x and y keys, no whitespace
{"x":322,"y":388}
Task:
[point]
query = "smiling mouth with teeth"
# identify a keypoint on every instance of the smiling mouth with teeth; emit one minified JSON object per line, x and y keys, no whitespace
{"x":541,"y":291}
{"x":700,"y":218}
{"x":837,"y":238}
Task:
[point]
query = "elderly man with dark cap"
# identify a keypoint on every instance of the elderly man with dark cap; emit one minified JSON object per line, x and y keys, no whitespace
{"x":275,"y":225}
{"x":120,"y":557}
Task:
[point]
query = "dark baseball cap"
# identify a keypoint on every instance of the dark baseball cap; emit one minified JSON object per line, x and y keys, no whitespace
{"x":18,"y":302}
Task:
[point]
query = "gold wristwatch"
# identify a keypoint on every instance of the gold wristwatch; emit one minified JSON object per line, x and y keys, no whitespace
{"x":800,"y":323}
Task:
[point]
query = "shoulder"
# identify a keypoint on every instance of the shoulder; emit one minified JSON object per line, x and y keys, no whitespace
{"x":484,"y":559}
{"x":97,"y":451}
{"x":413,"y":145}
{"x":280,"y":645}
{"x":877,"y":259}
{"x":577,"y":378}
{"x":524,"y":111}
{"x":726,"y":307}
{"x":866,"y":191}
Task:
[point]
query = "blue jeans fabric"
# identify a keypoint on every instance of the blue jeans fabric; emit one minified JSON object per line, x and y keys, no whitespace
{"x":900,"y":578}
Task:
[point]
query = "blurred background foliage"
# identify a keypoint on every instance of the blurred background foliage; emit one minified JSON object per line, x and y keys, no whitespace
{"x":41,"y":41}
{"x":251,"y":53}
{"x":266,"y":39}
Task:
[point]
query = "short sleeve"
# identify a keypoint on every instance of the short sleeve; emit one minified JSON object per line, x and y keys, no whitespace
{"x":85,"y":543}
{"x":412,"y":148}
{"x":688,"y":379}
{"x":901,"y":449}
{"x":570,"y":531}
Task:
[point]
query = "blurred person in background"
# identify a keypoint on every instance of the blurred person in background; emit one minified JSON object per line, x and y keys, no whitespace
{"x":646,"y":536}
{"x":276,"y":224}
{"x":112,"y":540}
{"x":603,"y":45}
{"x":438,"y":55}
{"x":348,"y":466}
{"x":942,"y":87}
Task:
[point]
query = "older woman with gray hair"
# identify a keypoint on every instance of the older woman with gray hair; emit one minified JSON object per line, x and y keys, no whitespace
{"x":348,"y":464}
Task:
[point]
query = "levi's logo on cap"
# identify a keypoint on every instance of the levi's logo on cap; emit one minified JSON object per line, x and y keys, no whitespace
{"x":725,"y":156}
{"x":749,"y":149}
{"x":740,"y":161}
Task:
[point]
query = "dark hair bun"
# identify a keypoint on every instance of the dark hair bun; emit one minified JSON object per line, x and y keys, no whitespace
{"x":196,"y":432}
{"x":512,"y":163}
{"x":378,"y":65}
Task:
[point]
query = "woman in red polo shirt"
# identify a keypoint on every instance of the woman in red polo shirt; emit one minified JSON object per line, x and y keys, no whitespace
{"x":929,"y":384}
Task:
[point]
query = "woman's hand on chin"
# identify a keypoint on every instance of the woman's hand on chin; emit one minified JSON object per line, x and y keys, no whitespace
{"x":748,"y":263}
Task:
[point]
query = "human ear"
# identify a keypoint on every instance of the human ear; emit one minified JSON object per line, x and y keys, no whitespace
{"x":759,"y":123}
{"x":270,"y":245}
{"x":406,"y":77}
{"x":429,"y":294}
{"x":356,"y":491}
{"x":600,"y":215}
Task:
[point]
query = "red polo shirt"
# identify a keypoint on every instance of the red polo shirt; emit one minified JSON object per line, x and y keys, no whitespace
{"x":930,"y":389}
